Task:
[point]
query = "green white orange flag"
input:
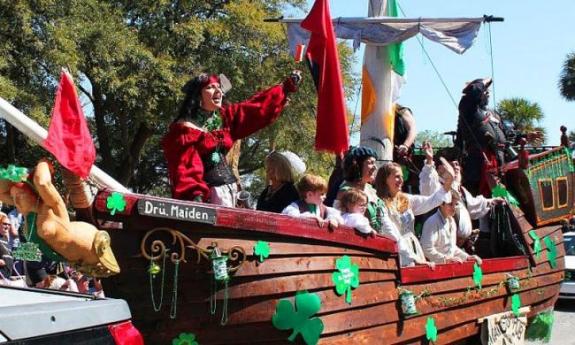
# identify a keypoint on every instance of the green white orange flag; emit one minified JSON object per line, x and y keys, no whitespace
{"x":382,"y":78}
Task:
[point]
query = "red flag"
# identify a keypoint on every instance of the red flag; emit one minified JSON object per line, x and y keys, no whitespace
{"x":331,"y":132}
{"x":69,"y":138}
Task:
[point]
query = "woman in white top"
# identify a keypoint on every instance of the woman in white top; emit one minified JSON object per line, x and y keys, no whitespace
{"x":400,"y":209}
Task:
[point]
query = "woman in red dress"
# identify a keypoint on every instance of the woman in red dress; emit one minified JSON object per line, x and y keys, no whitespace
{"x":196,"y":144}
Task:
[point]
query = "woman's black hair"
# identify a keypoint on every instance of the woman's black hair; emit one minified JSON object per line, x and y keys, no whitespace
{"x":191,"y":103}
{"x":353,"y":162}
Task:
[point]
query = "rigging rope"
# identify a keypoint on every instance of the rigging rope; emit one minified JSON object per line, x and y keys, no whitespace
{"x":492,"y":65}
{"x":420,"y":41}
{"x":445,"y":85}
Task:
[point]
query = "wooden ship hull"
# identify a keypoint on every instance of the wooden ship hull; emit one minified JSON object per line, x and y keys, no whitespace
{"x":302,"y":257}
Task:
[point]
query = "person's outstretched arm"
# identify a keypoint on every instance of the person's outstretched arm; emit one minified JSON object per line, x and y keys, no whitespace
{"x":5,"y":197}
{"x":47,"y":191}
{"x":262,"y":109}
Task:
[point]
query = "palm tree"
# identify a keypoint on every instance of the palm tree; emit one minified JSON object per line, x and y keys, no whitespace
{"x":567,"y":78}
{"x":524,"y":115}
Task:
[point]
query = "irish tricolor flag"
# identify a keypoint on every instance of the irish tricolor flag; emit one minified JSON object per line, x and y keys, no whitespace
{"x":382,"y":77}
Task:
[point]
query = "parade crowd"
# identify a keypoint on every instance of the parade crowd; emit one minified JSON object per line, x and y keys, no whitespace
{"x":46,"y":273}
{"x":364,"y":191}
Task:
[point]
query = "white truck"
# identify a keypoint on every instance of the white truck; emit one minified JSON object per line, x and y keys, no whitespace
{"x":30,"y":316}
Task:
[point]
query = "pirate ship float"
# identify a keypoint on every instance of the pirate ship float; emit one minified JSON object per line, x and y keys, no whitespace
{"x":186,"y":240}
{"x":237,"y":276}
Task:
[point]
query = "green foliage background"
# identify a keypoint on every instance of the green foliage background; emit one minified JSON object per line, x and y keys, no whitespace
{"x":525,"y":114}
{"x":567,"y":78}
{"x":130,"y":59}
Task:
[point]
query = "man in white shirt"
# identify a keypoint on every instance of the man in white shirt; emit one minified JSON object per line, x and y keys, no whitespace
{"x":439,"y":236}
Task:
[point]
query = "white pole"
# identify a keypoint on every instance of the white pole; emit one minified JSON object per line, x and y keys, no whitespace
{"x":34,"y":131}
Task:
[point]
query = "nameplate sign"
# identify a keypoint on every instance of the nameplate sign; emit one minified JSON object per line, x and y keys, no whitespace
{"x":170,"y":210}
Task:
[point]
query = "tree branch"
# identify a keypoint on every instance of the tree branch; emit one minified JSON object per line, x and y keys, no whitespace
{"x":132,"y":155}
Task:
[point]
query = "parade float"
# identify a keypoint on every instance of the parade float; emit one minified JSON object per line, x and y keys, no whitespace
{"x":233,"y":276}
{"x":195,"y":273}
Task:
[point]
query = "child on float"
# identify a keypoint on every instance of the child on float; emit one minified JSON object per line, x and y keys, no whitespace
{"x":400,"y":209}
{"x":439,"y":235}
{"x":359,"y":169}
{"x":312,"y":189}
{"x":353,"y":204}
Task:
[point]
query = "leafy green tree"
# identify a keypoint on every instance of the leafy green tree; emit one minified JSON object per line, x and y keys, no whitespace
{"x":567,"y":78}
{"x":130,"y":59}
{"x":524,"y":114}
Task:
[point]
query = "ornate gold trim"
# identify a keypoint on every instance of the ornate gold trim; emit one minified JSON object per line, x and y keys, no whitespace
{"x":236,"y":254}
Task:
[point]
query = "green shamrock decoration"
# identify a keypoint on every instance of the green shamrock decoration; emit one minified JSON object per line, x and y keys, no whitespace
{"x":536,"y":243}
{"x":115,"y":202}
{"x":28,"y":251}
{"x":185,"y":339}
{"x":430,"y":329}
{"x":346,"y":278}
{"x":14,"y":173}
{"x":552,"y":253}
{"x":540,"y":327}
{"x":501,"y":192}
{"x":515,"y":304}
{"x":215,"y":157}
{"x":262,"y":250}
{"x":477,"y":275}
{"x":298,"y":319}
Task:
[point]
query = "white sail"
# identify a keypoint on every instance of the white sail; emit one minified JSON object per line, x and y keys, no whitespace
{"x":457,"y":34}
{"x":380,"y":84}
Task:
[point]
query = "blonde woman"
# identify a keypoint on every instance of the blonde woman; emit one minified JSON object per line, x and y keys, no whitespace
{"x":280,"y":190}
{"x":400,"y":209}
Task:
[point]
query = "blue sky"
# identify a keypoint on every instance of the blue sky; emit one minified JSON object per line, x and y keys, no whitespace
{"x":529,"y":49}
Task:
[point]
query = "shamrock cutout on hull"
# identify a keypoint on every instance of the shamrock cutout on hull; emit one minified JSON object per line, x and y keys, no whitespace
{"x":536,"y":243}
{"x":477,"y":275}
{"x":115,"y":202}
{"x":185,"y":339}
{"x":300,"y":318}
{"x":346,"y":277}
{"x":262,"y":250}
{"x":552,"y":251}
